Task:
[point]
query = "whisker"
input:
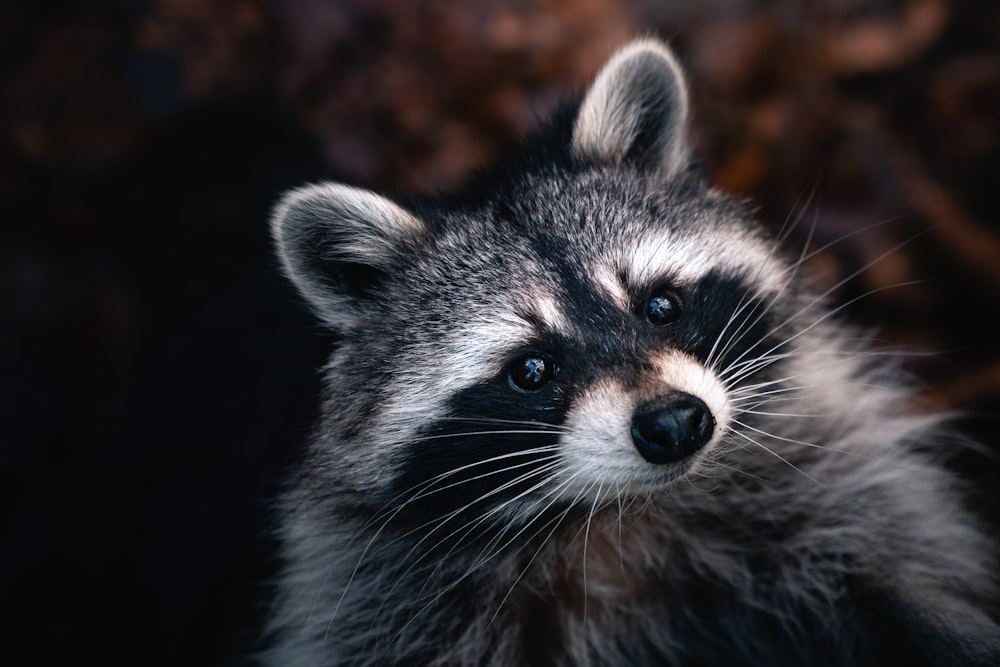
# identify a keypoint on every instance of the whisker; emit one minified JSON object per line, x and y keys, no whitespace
{"x":465,"y":434}
{"x":742,"y":472}
{"x":497,"y":420}
{"x":438,"y":522}
{"x":754,"y":366}
{"x":845,"y":452}
{"x":621,"y":551}
{"x":802,"y":442}
{"x":781,"y":414}
{"x":558,"y":521}
{"x":468,"y":527}
{"x":794,"y":268}
{"x":815,"y":301}
{"x":423,"y":486}
{"x":586,"y":538}
{"x":420,"y":494}
{"x":554,"y":494}
{"x":783,"y":233}
{"x":743,"y":328}
{"x":827,"y":315}
{"x":782,"y":459}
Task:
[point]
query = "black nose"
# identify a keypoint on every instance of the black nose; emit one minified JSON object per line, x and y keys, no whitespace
{"x":673,"y":429}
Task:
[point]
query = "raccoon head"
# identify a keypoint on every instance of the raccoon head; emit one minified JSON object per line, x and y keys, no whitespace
{"x":557,"y":334}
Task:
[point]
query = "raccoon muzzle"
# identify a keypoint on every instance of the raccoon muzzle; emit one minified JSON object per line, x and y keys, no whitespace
{"x":671,"y":429}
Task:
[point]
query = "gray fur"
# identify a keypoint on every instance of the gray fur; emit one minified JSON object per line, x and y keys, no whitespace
{"x":814,"y":528}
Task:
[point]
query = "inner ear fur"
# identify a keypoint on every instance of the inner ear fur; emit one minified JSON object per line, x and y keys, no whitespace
{"x":636,"y":110}
{"x":337,"y":243}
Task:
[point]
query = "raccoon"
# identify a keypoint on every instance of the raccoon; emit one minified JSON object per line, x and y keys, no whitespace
{"x":587,"y":412}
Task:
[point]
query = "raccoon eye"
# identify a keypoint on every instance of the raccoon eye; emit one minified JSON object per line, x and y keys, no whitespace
{"x":662,"y":307}
{"x":532,"y":372}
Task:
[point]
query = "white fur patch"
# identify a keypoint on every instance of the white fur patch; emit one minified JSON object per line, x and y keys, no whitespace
{"x":550,"y":313}
{"x":609,"y":283}
{"x":690,"y":257}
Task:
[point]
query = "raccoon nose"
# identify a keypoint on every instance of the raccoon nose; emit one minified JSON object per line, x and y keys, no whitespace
{"x":672,"y":430}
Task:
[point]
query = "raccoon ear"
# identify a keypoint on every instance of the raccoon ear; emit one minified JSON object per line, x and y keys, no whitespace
{"x":337,"y":244}
{"x":636,"y":110}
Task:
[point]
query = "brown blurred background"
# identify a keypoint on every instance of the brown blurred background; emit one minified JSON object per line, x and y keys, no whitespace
{"x":156,"y":373}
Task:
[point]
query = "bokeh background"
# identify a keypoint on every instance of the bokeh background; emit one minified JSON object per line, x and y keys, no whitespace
{"x":157,"y":375}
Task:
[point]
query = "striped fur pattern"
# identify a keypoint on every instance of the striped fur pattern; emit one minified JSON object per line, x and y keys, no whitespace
{"x":476,"y":492}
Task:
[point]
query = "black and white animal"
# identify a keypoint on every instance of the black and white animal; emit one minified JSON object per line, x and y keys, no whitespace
{"x":586,"y":412}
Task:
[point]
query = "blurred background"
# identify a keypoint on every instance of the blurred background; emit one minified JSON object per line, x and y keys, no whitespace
{"x":157,"y":375}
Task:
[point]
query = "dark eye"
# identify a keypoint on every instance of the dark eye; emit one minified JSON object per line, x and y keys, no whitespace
{"x":662,"y":307}
{"x":532,"y":372}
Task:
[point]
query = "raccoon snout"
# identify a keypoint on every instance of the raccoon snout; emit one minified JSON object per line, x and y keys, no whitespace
{"x":668,"y":431}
